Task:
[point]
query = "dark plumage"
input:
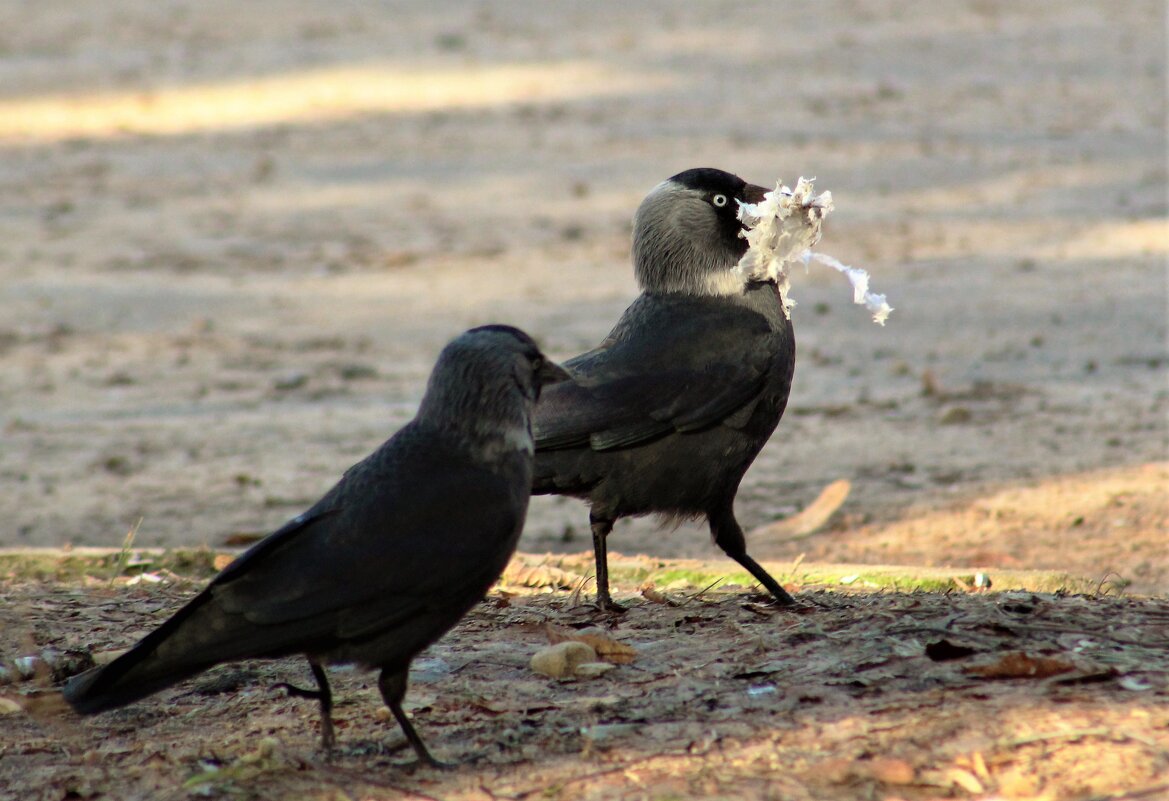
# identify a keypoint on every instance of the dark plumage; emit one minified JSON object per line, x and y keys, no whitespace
{"x":668,"y":412}
{"x":387,"y":561}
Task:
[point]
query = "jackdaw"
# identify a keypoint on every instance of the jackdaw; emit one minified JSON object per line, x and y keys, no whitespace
{"x":386,"y":562}
{"x":668,"y":412}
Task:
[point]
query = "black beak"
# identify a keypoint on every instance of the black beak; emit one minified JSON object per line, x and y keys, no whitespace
{"x":754,"y":194}
{"x":552,"y":373}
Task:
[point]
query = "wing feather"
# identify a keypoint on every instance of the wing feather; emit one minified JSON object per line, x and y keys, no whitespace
{"x":380,"y":548}
{"x":670,"y":365}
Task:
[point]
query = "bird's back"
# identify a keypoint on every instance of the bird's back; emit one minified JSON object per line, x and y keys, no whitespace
{"x":669,"y":412}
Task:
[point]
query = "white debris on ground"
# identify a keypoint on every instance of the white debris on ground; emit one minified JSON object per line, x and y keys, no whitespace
{"x":781,"y":230}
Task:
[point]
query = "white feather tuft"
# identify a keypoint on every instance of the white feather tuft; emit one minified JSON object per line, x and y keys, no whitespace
{"x":781,"y":230}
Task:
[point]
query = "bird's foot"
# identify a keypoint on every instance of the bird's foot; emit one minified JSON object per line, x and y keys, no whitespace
{"x":297,"y":692}
{"x":438,"y":765}
{"x":475,"y":758}
{"x":328,"y":737}
{"x":424,"y":759}
{"x":607,"y":606}
{"x":778,"y":596}
{"x":328,"y":740}
{"x":769,"y":604}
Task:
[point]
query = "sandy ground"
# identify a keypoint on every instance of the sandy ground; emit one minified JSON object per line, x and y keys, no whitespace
{"x":233,"y":238}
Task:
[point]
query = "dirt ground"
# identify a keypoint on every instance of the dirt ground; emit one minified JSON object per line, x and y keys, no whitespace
{"x":912,"y":695}
{"x":233,"y":238}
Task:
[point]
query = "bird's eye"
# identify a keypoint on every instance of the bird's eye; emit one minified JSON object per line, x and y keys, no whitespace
{"x":719,"y":201}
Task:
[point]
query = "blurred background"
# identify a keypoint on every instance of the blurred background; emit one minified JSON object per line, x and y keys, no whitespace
{"x":234,"y":237}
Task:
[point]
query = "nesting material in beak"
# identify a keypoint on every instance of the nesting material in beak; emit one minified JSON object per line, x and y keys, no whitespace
{"x":780,"y":228}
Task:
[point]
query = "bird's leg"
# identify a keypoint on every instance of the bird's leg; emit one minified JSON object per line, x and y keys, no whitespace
{"x":729,"y":536}
{"x":328,"y":739}
{"x":601,"y":528}
{"x":393,"y":688}
{"x":322,"y":694}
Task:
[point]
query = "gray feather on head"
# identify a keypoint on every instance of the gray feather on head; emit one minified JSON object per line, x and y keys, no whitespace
{"x":483,"y":388}
{"x":678,"y":247}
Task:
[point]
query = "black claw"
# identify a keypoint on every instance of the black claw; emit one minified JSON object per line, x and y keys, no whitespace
{"x":298,"y":692}
{"x":608,"y":606}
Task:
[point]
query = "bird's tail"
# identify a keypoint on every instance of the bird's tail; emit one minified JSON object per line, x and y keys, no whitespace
{"x":164,"y":657}
{"x":115,"y":685}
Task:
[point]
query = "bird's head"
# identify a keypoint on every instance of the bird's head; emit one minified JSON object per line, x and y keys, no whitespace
{"x":686,"y":233}
{"x":485,"y":384}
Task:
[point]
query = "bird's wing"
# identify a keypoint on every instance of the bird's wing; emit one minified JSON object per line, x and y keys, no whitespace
{"x":389,"y":542}
{"x":674,"y":369}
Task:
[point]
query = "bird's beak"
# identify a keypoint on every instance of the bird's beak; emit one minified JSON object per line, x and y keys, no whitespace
{"x":754,"y":194}
{"x":552,"y":373}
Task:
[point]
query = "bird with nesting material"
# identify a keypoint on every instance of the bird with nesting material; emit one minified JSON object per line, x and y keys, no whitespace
{"x":668,"y":412}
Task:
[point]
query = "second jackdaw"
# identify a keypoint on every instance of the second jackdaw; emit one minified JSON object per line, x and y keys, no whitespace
{"x":668,"y":412}
{"x":386,"y":562}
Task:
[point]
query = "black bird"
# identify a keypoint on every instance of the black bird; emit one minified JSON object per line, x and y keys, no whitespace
{"x":668,"y":412}
{"x":387,"y":561}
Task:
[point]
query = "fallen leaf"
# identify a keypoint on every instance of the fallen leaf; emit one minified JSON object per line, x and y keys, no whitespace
{"x":966,"y":780}
{"x":887,"y":771}
{"x":892,"y":771}
{"x":812,"y":518}
{"x":978,"y":763}
{"x":1020,"y":665}
{"x":975,"y":763}
{"x":561,"y":659}
{"x":242,"y":539}
{"x":539,"y":576}
{"x":590,"y":670}
{"x":650,"y":593}
{"x":606,"y":647}
{"x":9,"y":707}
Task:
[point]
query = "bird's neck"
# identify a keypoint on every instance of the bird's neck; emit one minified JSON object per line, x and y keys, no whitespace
{"x":485,"y":426}
{"x":688,"y":276}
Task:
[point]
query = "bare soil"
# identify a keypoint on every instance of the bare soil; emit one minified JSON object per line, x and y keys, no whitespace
{"x":850,"y":696}
{"x":233,"y":237}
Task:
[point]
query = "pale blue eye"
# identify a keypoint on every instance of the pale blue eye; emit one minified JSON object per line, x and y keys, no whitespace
{"x":719,"y":201}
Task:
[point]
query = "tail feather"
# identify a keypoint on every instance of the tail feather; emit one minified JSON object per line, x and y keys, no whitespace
{"x":199,"y":636}
{"x":99,"y":690}
{"x":142,"y":670}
